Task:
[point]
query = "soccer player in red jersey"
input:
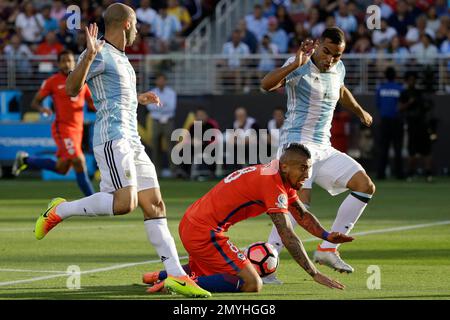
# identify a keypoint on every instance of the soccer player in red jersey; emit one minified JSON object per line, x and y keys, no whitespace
{"x":67,"y":129}
{"x":247,"y":193}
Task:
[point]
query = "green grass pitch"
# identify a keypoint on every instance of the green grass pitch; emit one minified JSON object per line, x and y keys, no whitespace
{"x":112,"y":252}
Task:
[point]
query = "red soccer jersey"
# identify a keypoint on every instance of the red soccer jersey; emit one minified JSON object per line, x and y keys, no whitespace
{"x":68,"y":110}
{"x":243,"y":194}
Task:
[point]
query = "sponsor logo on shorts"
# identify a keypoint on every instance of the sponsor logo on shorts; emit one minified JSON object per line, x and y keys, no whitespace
{"x":241,"y":256}
{"x":128,"y":174}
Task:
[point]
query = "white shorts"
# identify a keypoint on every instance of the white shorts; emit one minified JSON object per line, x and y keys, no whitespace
{"x":122,"y":165}
{"x":331,"y":168}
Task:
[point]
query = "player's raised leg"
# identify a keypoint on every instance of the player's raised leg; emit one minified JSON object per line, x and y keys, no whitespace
{"x":362,"y":189}
{"x":118,"y":189}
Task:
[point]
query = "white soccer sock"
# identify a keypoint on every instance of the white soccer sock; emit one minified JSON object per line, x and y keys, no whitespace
{"x":349,"y":212}
{"x":159,"y":236}
{"x":98,"y":204}
{"x":274,"y":237}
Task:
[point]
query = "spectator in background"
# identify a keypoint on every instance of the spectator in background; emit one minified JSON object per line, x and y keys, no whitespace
{"x":382,"y":37}
{"x":247,"y":36}
{"x":414,"y":34}
{"x":30,"y":25}
{"x":80,"y":43}
{"x":235,"y":50}
{"x":182,"y":14}
{"x":425,"y":51}
{"x":20,"y":54}
{"x":267,"y":49}
{"x":297,"y":9}
{"x":256,"y":22}
{"x":269,"y":8}
{"x":166,"y":28}
{"x":299,"y":35}
{"x":195,"y":8}
{"x":64,"y":36}
{"x":391,"y":127}
{"x":433,"y":21}
{"x":5,"y":35}
{"x":386,"y":10}
{"x":246,"y":133}
{"x":274,"y":125}
{"x":313,"y":24}
{"x":199,"y":171}
{"x":145,"y":13}
{"x":50,"y":24}
{"x":345,"y":21}
{"x":50,"y":45}
{"x":277,"y":35}
{"x":441,"y":7}
{"x":401,"y":53}
{"x":163,"y":124}
{"x":441,"y":33}
{"x":402,"y":18}
{"x":417,"y":112}
{"x":58,"y":10}
{"x":284,"y":20}
{"x":363,"y":45}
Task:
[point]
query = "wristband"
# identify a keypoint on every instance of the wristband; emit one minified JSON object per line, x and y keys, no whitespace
{"x":325,"y":235}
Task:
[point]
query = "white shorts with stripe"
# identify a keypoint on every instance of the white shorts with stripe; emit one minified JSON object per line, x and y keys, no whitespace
{"x":122,"y":164}
{"x":331,"y":168}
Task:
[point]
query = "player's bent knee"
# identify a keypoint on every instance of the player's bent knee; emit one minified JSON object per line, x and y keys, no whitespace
{"x":125,"y":201}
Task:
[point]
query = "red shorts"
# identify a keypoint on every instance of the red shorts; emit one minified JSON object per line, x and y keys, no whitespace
{"x":68,"y":143}
{"x":210,"y":252}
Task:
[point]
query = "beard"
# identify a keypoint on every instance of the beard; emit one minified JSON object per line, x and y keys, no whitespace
{"x":129,"y":37}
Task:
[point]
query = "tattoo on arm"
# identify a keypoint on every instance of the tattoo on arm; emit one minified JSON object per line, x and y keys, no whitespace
{"x":292,"y":242}
{"x":306,"y":219}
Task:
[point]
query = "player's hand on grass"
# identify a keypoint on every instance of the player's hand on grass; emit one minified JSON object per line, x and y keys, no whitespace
{"x":366,"y":119}
{"x":328,"y":282}
{"x":305,"y":52}
{"x":149,"y":98}
{"x":92,"y":45}
{"x":337,"y":237}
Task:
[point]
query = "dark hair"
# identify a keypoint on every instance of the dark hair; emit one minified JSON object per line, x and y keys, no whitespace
{"x":390,"y":73}
{"x":409,"y":74}
{"x":63,"y":53}
{"x":278,"y":109}
{"x":159,"y":75}
{"x":298,"y":148}
{"x":335,"y":34}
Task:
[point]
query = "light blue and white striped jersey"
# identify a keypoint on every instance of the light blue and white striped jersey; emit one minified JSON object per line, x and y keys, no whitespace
{"x":312,"y":98}
{"x":112,"y":82}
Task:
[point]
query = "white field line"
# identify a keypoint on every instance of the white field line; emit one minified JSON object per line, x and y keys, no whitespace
{"x":71,"y":228}
{"x":127,"y":265}
{"x":29,"y":270}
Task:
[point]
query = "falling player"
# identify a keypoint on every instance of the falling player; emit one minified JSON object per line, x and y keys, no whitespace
{"x":128,"y":176}
{"x":314,"y":81}
{"x":218,"y":263}
{"x":67,"y":128}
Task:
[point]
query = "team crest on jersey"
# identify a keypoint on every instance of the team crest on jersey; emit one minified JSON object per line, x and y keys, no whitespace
{"x":282,"y":201}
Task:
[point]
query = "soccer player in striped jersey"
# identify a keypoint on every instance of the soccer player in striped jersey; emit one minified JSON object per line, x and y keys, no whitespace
{"x":314,"y":82}
{"x":128,"y":177}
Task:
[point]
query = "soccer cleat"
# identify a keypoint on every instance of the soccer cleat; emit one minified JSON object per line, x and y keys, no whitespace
{"x":48,"y":220}
{"x":185,"y":286}
{"x":150,"y":277}
{"x":271,"y":279}
{"x":19,"y":164}
{"x":332,"y":260}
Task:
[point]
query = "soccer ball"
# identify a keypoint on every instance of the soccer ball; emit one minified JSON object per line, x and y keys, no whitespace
{"x":263,"y":256}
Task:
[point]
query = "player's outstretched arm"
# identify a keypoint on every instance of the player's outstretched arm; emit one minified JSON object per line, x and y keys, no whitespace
{"x":77,"y":77}
{"x":348,"y":101}
{"x":295,"y":247}
{"x":149,"y":97}
{"x":310,"y":223}
{"x":277,"y":78}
